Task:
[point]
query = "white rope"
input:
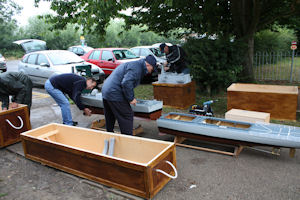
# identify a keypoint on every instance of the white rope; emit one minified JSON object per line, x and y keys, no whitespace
{"x":166,"y":174}
{"x":21,"y":126}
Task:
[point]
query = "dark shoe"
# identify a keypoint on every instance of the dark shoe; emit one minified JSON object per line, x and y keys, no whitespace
{"x":75,"y":123}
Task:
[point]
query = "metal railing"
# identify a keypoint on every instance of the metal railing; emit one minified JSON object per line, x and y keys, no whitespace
{"x":276,"y":66}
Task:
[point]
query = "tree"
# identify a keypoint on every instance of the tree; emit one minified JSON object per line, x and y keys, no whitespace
{"x":240,"y":19}
{"x":8,"y":9}
{"x":56,"y":39}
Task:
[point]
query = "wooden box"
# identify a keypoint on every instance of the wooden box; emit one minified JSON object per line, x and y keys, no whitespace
{"x":279,"y":101}
{"x":134,"y":166}
{"x":179,"y":96}
{"x":247,"y":116}
{"x":12,"y":123}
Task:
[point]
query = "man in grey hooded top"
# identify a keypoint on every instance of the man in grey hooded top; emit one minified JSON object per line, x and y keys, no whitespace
{"x":118,"y":92}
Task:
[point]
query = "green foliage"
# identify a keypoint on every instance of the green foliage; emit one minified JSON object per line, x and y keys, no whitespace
{"x":276,"y":40}
{"x":8,"y":9}
{"x":56,"y":39}
{"x":215,"y":64}
{"x":117,"y":36}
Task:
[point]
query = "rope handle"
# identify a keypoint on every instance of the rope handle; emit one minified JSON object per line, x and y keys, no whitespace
{"x":21,"y":126}
{"x":166,"y":174}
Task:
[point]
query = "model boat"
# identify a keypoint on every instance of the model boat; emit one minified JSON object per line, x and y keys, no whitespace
{"x":174,"y":78}
{"x":255,"y":133}
{"x":144,"y":108}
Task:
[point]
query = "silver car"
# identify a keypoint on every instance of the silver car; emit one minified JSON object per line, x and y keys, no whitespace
{"x":144,"y":51}
{"x":80,"y":50}
{"x":3,"y":67}
{"x":40,"y":65}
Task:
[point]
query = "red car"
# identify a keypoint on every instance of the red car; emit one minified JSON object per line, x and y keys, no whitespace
{"x":109,"y":58}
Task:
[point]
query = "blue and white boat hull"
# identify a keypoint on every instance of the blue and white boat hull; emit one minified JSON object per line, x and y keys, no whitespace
{"x":260,"y":133}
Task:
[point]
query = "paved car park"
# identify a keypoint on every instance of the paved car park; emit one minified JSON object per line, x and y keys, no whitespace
{"x":201,"y":175}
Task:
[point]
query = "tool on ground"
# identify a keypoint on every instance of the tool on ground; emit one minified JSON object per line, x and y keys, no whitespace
{"x":205,"y":110}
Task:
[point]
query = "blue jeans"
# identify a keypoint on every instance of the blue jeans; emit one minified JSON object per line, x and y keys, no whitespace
{"x":62,"y":101}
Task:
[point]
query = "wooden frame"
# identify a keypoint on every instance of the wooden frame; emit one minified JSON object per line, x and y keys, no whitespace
{"x":132,"y":168}
{"x":12,"y":123}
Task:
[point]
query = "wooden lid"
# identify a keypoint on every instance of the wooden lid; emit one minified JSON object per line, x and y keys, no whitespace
{"x":282,"y":89}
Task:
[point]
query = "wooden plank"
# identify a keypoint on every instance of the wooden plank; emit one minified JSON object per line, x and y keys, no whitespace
{"x":48,"y":134}
{"x":292,"y":152}
{"x":178,"y":142}
{"x":247,"y":116}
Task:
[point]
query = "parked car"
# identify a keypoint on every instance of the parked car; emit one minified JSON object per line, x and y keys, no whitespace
{"x":32,"y":45}
{"x":3,"y":67}
{"x":109,"y":58}
{"x":40,"y":65}
{"x":80,"y":50}
{"x":144,"y":51}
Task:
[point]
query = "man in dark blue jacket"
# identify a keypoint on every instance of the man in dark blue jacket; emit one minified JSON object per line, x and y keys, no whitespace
{"x":118,"y":92}
{"x":72,"y":85}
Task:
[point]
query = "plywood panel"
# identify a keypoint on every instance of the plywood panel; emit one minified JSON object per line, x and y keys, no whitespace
{"x":247,"y":116}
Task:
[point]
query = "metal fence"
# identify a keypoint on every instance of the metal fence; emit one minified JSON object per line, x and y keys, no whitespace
{"x":277,"y":66}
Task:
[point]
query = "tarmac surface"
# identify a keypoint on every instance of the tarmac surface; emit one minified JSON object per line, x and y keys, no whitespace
{"x":201,"y":175}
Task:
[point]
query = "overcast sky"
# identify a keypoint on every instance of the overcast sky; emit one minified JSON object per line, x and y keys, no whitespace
{"x":29,"y":10}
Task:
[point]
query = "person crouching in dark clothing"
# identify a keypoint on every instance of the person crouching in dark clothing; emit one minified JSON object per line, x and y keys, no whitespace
{"x":118,"y":92}
{"x":19,"y":86}
{"x":72,"y":85}
{"x":176,"y":59}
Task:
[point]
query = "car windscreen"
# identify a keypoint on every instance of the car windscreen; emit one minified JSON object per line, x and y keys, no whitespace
{"x":124,"y":54}
{"x":157,"y":52}
{"x":63,"y":57}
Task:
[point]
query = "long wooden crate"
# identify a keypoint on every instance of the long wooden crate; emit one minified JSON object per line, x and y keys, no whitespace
{"x":12,"y":123}
{"x":280,"y":101}
{"x":138,"y":166}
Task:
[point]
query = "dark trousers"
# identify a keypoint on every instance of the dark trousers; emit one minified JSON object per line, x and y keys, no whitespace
{"x":120,"y":111}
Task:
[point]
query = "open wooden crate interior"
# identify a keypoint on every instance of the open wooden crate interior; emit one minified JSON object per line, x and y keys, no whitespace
{"x":227,"y":123}
{"x":133,"y":149}
{"x":180,"y":117}
{"x":263,"y":88}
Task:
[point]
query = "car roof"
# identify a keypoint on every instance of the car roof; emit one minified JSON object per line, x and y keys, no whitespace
{"x":49,"y":51}
{"x":26,"y":40}
{"x":112,"y":48}
{"x":146,"y":47}
{"x":82,"y":46}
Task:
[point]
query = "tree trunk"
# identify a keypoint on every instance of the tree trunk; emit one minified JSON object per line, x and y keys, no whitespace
{"x":247,"y":72}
